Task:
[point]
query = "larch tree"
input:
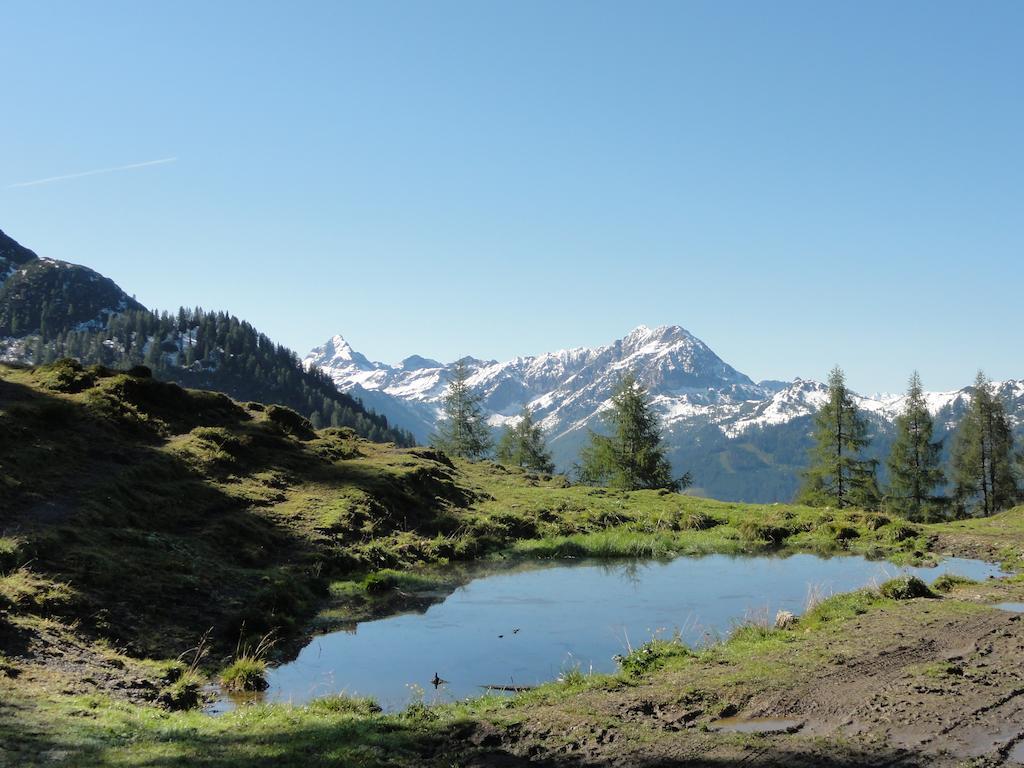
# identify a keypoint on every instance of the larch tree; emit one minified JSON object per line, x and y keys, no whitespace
{"x":839,"y":475}
{"x":983,"y":455}
{"x":523,"y":445}
{"x":915,"y":472}
{"x":463,"y":429}
{"x":632,"y":457}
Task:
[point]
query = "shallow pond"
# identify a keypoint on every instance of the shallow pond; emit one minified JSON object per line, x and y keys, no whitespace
{"x":526,"y":626}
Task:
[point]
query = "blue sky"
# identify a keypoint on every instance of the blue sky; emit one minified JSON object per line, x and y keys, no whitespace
{"x":799,"y":184}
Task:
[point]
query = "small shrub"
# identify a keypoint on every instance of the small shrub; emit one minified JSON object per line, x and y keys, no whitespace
{"x":245,"y":674}
{"x":948,"y":581}
{"x":905,"y":588}
{"x":64,"y":375}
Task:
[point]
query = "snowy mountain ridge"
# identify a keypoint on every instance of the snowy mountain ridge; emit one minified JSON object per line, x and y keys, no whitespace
{"x":567,"y":389}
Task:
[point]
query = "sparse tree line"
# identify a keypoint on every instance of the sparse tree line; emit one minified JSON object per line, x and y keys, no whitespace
{"x":981,"y":478}
{"x":631,"y":457}
{"x":982,"y":473}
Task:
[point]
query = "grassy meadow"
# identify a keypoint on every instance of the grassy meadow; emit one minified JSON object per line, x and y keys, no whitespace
{"x":154,"y":540}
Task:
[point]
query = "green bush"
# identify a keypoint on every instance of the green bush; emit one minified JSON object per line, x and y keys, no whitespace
{"x":64,"y":375}
{"x":905,"y":588}
{"x":949,"y":581}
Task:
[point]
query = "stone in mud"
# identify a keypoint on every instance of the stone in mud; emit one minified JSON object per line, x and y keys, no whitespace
{"x":784,"y":619}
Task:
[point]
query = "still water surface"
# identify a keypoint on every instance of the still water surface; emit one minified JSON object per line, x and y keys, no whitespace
{"x":526,"y":626}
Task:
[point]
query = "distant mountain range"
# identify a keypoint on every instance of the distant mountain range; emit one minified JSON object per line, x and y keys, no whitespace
{"x":742,"y":440}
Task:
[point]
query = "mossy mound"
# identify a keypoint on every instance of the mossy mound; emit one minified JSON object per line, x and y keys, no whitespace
{"x":905,"y":588}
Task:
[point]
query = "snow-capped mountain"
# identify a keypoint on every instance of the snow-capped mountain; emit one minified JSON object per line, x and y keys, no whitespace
{"x":566,"y":389}
{"x":742,"y":440}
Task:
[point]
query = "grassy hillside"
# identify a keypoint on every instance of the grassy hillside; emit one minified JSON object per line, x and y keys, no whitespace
{"x":136,"y":515}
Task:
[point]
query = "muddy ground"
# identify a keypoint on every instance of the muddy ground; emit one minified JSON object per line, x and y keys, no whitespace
{"x":926,"y":682}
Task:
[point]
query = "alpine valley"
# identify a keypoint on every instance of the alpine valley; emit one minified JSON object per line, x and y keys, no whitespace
{"x":741,"y":440}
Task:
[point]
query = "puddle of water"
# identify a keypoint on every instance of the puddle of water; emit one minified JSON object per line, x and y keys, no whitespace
{"x":755,"y":725}
{"x":1016,"y":754}
{"x":1011,"y":607}
{"x":527,"y":626}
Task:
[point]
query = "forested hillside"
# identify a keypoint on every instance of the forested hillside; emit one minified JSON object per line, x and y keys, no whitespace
{"x":51,"y":309}
{"x":215,"y":350}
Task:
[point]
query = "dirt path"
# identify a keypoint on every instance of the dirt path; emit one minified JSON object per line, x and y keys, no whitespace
{"x":922,"y":683}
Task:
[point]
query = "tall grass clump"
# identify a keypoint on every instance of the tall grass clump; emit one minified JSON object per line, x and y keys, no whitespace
{"x":617,"y":542}
{"x":10,"y":553}
{"x":652,"y":656}
{"x":755,"y":625}
{"x":184,"y":682}
{"x":248,"y":672}
{"x":388,"y":579}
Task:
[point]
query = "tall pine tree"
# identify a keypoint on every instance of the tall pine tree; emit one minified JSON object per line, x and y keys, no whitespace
{"x":523,"y":445}
{"x":463,"y":430}
{"x":839,"y":475}
{"x":632,"y":457}
{"x":983,"y":455}
{"x":915,"y":473}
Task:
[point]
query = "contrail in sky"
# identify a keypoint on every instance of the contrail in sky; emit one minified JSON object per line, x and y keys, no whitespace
{"x":95,"y":172}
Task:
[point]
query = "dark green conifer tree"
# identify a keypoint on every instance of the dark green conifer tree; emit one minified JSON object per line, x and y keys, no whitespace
{"x":983,"y":455}
{"x":839,"y":475}
{"x":632,"y":457}
{"x":915,"y":474}
{"x":463,"y":430}
{"x":522,"y":445}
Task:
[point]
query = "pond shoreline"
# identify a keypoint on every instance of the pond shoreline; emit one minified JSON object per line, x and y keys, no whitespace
{"x":702,"y":589}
